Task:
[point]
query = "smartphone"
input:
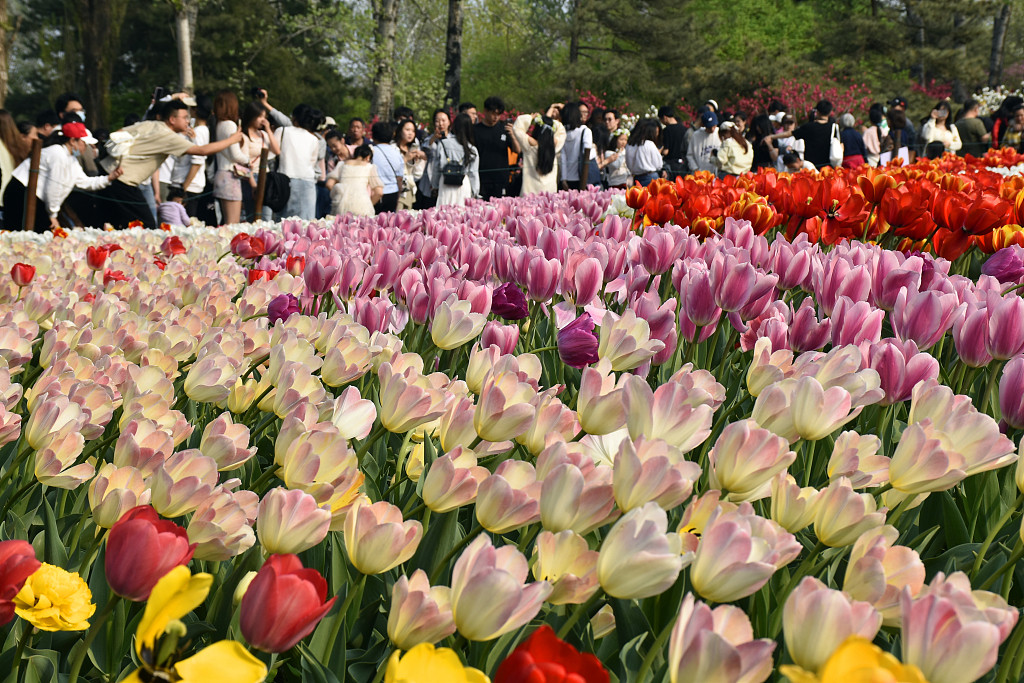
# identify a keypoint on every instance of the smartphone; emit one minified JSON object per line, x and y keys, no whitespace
{"x":158,"y":93}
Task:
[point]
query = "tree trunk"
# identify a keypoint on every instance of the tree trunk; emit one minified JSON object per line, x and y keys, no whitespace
{"x":574,"y":45}
{"x":995,"y":61}
{"x":184,"y":34}
{"x":99,"y":28}
{"x":6,"y":38}
{"x":385,"y":13}
{"x":453,"y":56}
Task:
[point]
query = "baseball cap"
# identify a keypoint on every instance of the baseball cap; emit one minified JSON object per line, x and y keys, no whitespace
{"x":713,"y":104}
{"x":727,"y":125}
{"x":79,"y":131}
{"x":709,"y":119}
{"x":898,"y":101}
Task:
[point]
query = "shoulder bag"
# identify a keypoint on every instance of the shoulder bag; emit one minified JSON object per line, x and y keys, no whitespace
{"x":835,"y":148}
{"x":452,"y":173}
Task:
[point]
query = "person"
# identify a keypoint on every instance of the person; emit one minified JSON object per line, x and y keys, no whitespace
{"x":232,"y":163}
{"x":611,"y":120}
{"x":761,"y":139}
{"x":172,"y":209}
{"x":407,"y":114}
{"x":13,"y":149}
{"x":70,"y":103}
{"x":390,"y":165}
{"x":673,"y":143}
{"x":425,"y":197}
{"x":300,"y":148}
{"x":643,"y":159}
{"x":46,"y":122}
{"x":602,"y":139}
{"x":1002,"y":117}
{"x":555,"y":110}
{"x":616,"y":174}
{"x":938,"y":127}
{"x":29,"y":132}
{"x":854,"y":152}
{"x":899,"y":103}
{"x":189,"y":171}
{"x":339,"y":150}
{"x":354,"y":185}
{"x":712,"y":106}
{"x":785,"y":141}
{"x":973,"y":135}
{"x":575,"y":155}
{"x":356,"y":133}
{"x":415,"y":161}
{"x":792,"y":163}
{"x":817,"y":135}
{"x":469,"y":109}
{"x":736,"y":155}
{"x":146,"y":144}
{"x":933,"y":149}
{"x":456,"y":151}
{"x":258,"y":136}
{"x":703,"y":142}
{"x":59,"y":174}
{"x":875,"y":133}
{"x":493,"y":139}
{"x":897,"y":137}
{"x":1013,"y":134}
{"x":541,"y":139}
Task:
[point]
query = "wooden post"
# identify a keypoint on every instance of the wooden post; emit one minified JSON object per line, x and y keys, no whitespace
{"x":261,"y":184}
{"x":33,"y":182}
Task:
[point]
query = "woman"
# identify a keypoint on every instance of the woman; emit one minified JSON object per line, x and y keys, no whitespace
{"x":456,"y":153}
{"x":616,"y":174}
{"x":541,"y":139}
{"x":425,"y":197}
{"x":13,"y":149}
{"x":762,"y":136}
{"x":415,"y":162}
{"x":232,"y":163}
{"x":575,"y":154}
{"x":854,"y":152}
{"x":299,"y":152}
{"x":59,"y":173}
{"x":1013,"y":134}
{"x":897,"y":137}
{"x":258,"y":135}
{"x":938,"y":127}
{"x":602,"y":140}
{"x":736,"y":155}
{"x":1002,"y":118}
{"x":874,"y":134}
{"x":354,"y":185}
{"x":642,"y":156}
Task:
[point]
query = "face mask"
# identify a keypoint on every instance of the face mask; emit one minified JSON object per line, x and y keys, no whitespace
{"x":76,"y":154}
{"x":81,"y":115}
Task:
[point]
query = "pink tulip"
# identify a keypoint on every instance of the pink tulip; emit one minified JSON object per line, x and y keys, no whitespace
{"x":505,"y":337}
{"x":419,"y":613}
{"x":651,"y":471}
{"x":453,"y":480}
{"x":745,"y":458}
{"x":924,"y":317}
{"x":699,"y":296}
{"x":576,"y":494}
{"x":1011,"y":393}
{"x":320,"y":275}
{"x":806,"y":332}
{"x":879,"y":571}
{"x":899,"y":366}
{"x":290,"y":521}
{"x":509,"y":498}
{"x":732,"y":282}
{"x":660,"y":247}
{"x":1005,"y":326}
{"x":680,"y":415}
{"x":791,"y":261}
{"x":817,"y":619}
{"x":891,"y":274}
{"x":377,"y":538}
{"x":853,"y":323}
{"x":839,"y":278}
{"x":638,"y":558}
{"x":970,"y":335}
{"x":716,"y":645}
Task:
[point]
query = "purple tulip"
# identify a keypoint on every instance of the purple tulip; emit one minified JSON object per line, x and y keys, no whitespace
{"x":1011,"y":393}
{"x":899,"y":366}
{"x":577,"y":343}
{"x":924,"y":317}
{"x":837,"y":278}
{"x":806,"y":332}
{"x":319,"y":276}
{"x":1006,"y":265}
{"x":509,"y":302}
{"x":970,"y":336}
{"x":853,"y":323}
{"x":1005,"y":326}
{"x":732,"y":281}
{"x":791,"y":261}
{"x":504,"y":337}
{"x":281,"y":307}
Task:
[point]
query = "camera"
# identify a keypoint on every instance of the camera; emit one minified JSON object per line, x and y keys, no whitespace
{"x":257,"y":92}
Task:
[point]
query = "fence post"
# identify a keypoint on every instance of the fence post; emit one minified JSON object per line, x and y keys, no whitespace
{"x":261,"y":184}
{"x":33,"y":182}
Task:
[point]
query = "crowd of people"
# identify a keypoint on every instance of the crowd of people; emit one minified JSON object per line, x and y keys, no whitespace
{"x":221,"y":161}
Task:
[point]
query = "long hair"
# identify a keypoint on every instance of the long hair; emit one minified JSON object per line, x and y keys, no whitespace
{"x":734,"y":133}
{"x":571,"y":117}
{"x":545,"y":137}
{"x":11,"y":137}
{"x":225,"y":108}
{"x":948,"y":121}
{"x":252,"y":111}
{"x":398,"y":133}
{"x":760,"y":128}
{"x":462,"y":129}
{"x":645,"y":129}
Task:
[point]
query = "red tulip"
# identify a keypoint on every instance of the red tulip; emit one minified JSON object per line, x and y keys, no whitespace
{"x":141,"y":549}
{"x":113,"y":276}
{"x":905,"y":209}
{"x":160,"y":264}
{"x":172,"y":246}
{"x":96,"y":257}
{"x":295,"y":265}
{"x":986,"y":213}
{"x":544,"y":658}
{"x":17,"y":563}
{"x":637,"y":196}
{"x":22,"y":274}
{"x":247,"y":246}
{"x":283,"y":604}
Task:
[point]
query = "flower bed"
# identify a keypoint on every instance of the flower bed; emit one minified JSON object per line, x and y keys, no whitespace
{"x":526,"y":439}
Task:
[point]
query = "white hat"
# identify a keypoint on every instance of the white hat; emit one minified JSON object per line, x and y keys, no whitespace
{"x":713,"y":104}
{"x":727,"y":125}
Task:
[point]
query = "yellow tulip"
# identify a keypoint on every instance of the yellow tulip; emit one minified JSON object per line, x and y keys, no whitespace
{"x":857,"y":660}
{"x":54,"y":599}
{"x":427,"y":664}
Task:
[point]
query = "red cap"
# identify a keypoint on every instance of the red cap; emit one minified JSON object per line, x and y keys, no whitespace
{"x":74,"y":130}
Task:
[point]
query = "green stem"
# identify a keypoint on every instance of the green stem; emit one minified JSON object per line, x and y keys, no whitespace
{"x":1008,"y":655}
{"x":264,"y":478}
{"x":544,"y":348}
{"x":578,"y":614}
{"x":992,"y":535}
{"x":22,"y":644}
{"x":1018,"y":553}
{"x":264,"y":423}
{"x":15,"y":465}
{"x":463,"y":542}
{"x":653,"y":652}
{"x":325,"y":656}
{"x":97,"y":624}
{"x":378,"y":431}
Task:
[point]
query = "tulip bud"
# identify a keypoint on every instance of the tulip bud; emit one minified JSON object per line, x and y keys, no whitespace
{"x":141,"y":549}
{"x":419,"y":613}
{"x":638,"y":558}
{"x":376,"y":537}
{"x":283,"y":604}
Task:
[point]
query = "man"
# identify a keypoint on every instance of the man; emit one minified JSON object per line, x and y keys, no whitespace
{"x":150,"y":144}
{"x":70,"y":103}
{"x":794,"y":164}
{"x":899,"y":103}
{"x":611,"y":120}
{"x":973,"y":133}
{"x":817,"y":135}
{"x":356,"y":134}
{"x":469,"y":109}
{"x":390,"y":165}
{"x":705,"y":140}
{"x":673,"y":141}
{"x":46,"y":122}
{"x":494,"y":139}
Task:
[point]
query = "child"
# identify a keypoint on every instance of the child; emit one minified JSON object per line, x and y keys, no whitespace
{"x":614,"y":163}
{"x":172,"y":211}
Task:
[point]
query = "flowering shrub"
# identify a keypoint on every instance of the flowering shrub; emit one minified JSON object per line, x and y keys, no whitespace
{"x":584,"y":436}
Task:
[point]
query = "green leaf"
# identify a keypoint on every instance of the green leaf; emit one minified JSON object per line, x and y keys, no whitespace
{"x":953,"y":522}
{"x":55,"y":552}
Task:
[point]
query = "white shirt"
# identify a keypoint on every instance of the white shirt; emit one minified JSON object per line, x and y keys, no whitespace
{"x":59,"y":174}
{"x":699,"y":153}
{"x":234,"y":154}
{"x":572,"y":150}
{"x":299,"y":150}
{"x":183,"y":164}
{"x":645,"y":158}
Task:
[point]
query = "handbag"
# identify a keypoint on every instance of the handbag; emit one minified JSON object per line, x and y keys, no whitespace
{"x":835,"y":148}
{"x":278,"y":188}
{"x":452,"y":173}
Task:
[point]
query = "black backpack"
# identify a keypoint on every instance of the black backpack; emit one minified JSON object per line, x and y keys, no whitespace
{"x":277,"y":191}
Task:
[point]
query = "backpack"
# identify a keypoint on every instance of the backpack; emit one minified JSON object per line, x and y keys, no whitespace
{"x":277,"y":192}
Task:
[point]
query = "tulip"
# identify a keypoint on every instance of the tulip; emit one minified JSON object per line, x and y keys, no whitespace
{"x":221,"y":527}
{"x":1011,"y":393}
{"x":651,"y":470}
{"x":419,"y":613}
{"x":970,"y":335}
{"x":716,"y":645}
{"x":855,"y":457}
{"x":376,"y":537}
{"x":281,"y":307}
{"x":504,"y":410}
{"x":290,"y":521}
{"x":544,"y":657}
{"x":407,"y":400}
{"x":924,"y":317}
{"x":53,"y":419}
{"x":182,"y":482}
{"x":745,"y":458}
{"x":672,"y":412}
{"x":806,"y":332}
{"x":17,"y":563}
{"x":843,"y":515}
{"x":553,"y":421}
{"x":638,"y":558}
{"x":424,"y":663}
{"x":853,"y":323}
{"x":803,"y":408}
{"x":225,"y":442}
{"x":1005,"y":326}
{"x":114,"y":491}
{"x":141,"y":549}
{"x":626,"y":341}
{"x":455,"y":324}
{"x":577,"y":343}
{"x":210,"y":378}
{"x":566,"y":562}
{"x":54,"y":599}
{"x":1006,"y":265}
{"x":899,"y":366}
{"x":738,"y":552}
{"x":319,"y":276}
{"x":509,"y":302}
{"x":484,"y":575}
{"x":22,"y":274}
{"x":172,"y":246}
{"x":55,"y":464}
{"x":143,"y":445}
{"x":792,"y":507}
{"x":600,"y":405}
{"x":574,"y":497}
{"x":879,"y":571}
{"x":453,"y":480}
{"x":96,"y":257}
{"x":857,"y":659}
{"x":817,"y":620}
{"x":505,"y":337}
{"x":509,"y":498}
{"x":283,"y":604}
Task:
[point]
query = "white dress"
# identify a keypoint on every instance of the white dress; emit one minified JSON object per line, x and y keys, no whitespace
{"x":534,"y":182}
{"x":351,"y":194}
{"x":456,"y":195}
